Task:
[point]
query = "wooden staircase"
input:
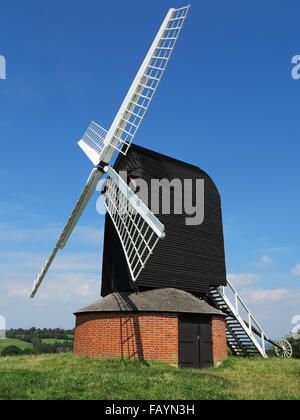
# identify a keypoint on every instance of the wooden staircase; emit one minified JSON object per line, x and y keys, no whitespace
{"x":244,"y":338}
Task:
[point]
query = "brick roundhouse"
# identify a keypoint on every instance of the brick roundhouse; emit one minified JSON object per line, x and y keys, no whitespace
{"x":167,"y":325}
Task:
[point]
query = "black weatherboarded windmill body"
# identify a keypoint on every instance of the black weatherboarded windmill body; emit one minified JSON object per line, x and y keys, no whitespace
{"x":191,"y":257}
{"x":146,"y":252}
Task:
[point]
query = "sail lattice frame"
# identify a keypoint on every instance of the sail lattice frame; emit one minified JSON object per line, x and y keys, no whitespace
{"x":138,"y":229}
{"x":94,"y":136}
{"x":138,"y":99}
{"x":152,"y":71}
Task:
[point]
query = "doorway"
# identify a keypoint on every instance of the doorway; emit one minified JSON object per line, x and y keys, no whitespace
{"x":195,"y":341}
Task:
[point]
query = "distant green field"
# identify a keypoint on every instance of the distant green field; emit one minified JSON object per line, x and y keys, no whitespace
{"x":57,"y":377}
{"x":13,"y":342}
{"x":55,"y":340}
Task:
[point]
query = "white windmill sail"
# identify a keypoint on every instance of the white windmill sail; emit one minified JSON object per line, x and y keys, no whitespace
{"x":68,"y":229}
{"x":138,"y":229}
{"x":100,"y":144}
{"x":136,"y":103}
{"x":92,"y":142}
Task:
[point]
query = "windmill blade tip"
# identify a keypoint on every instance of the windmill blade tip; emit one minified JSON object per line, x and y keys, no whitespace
{"x":33,"y":293}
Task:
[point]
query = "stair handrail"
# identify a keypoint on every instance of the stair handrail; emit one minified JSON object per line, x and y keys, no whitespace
{"x":238,"y":298}
{"x":235,"y":309}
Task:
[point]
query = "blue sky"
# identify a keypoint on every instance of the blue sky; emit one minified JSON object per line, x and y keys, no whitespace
{"x":227,"y":103}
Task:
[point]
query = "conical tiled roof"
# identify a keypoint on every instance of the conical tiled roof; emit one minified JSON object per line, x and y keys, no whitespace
{"x":157,"y":300}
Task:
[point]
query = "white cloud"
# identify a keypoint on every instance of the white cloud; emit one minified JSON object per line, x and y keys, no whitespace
{"x":273,"y":308}
{"x":243,"y":279}
{"x":277,"y":249}
{"x":19,"y":291}
{"x":60,"y":287}
{"x":60,"y":295}
{"x":73,"y":278}
{"x":265,"y":296}
{"x":78,"y":261}
{"x":84,"y":290}
{"x":9,"y":232}
{"x":88,"y":234}
{"x":83,"y":234}
{"x":73,"y":281}
{"x":13,"y":263}
{"x":265,"y":261}
{"x":296,"y":270}
{"x":70,"y":286}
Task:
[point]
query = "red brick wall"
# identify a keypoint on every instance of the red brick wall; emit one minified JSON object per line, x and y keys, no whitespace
{"x":219,"y":339}
{"x":144,"y":336}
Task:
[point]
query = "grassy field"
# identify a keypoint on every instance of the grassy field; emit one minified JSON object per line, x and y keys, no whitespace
{"x":13,"y":342}
{"x":55,"y":340}
{"x":57,"y":377}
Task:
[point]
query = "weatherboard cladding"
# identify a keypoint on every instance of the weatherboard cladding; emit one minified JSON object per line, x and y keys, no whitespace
{"x":190,"y":258}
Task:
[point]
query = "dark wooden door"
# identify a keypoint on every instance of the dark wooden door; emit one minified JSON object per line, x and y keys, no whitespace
{"x":188,"y":342}
{"x":205,"y":342}
{"x":195,"y":341}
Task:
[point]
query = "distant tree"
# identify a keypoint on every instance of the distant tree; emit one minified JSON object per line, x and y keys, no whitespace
{"x":11,"y":351}
{"x":36,"y":335}
{"x":27,"y":338}
{"x":35,"y":340}
{"x":29,"y":351}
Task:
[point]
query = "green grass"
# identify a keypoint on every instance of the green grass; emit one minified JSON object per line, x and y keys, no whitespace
{"x":13,"y":342}
{"x":58,"y":377}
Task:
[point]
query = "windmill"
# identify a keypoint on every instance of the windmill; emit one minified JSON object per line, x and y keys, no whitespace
{"x":99,"y":144}
{"x":133,"y":233}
